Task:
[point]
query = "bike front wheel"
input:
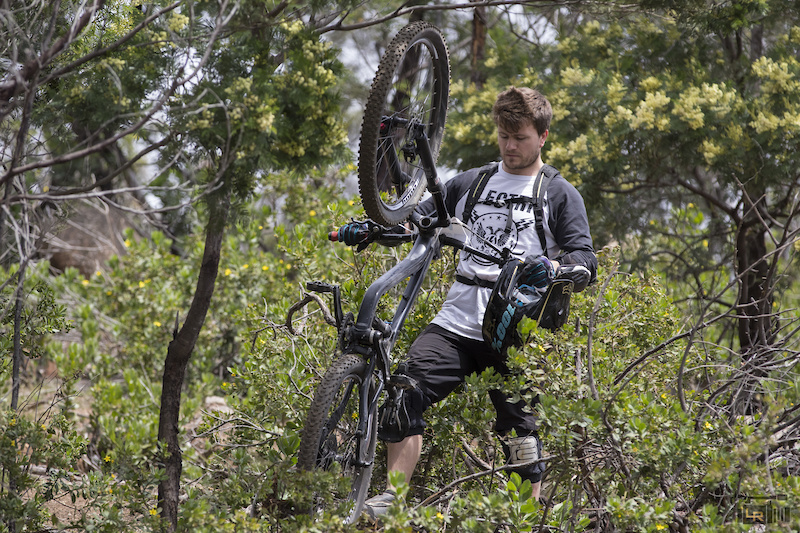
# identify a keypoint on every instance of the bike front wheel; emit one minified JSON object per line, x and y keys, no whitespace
{"x":410,"y":91}
{"x":339,"y":436}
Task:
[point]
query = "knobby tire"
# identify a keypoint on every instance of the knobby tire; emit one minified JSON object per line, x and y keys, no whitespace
{"x":329,"y":436}
{"x":412,"y":84}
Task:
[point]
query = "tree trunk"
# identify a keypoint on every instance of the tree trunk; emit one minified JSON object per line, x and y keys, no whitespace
{"x":478,"y":48}
{"x":755,"y":294}
{"x":178,"y":355}
{"x":754,"y":316}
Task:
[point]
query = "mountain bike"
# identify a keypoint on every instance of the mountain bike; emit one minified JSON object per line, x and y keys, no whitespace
{"x":401,"y":134}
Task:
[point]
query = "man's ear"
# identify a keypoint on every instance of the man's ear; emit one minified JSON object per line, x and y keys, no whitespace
{"x":543,"y":138}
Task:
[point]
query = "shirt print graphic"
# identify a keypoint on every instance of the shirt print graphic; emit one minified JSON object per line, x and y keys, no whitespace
{"x":490,"y":224}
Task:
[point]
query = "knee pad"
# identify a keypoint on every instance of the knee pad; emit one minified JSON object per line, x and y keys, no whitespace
{"x":393,"y":420}
{"x":401,"y":413}
{"x":523,"y":451}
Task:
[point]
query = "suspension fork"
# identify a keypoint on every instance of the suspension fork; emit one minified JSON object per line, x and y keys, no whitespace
{"x":368,"y":403}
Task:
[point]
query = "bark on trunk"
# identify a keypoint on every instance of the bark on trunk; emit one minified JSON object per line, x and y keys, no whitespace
{"x":478,"y":51}
{"x":755,"y":295}
{"x":755,"y":319}
{"x":178,"y":355}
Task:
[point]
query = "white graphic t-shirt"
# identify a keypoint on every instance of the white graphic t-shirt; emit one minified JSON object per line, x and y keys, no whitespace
{"x":505,"y":194}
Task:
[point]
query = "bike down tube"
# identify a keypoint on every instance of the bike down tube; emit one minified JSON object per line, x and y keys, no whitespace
{"x":414,"y":264}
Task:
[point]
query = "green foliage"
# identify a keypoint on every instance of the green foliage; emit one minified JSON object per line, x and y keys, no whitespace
{"x":633,"y":396}
{"x":634,"y":442}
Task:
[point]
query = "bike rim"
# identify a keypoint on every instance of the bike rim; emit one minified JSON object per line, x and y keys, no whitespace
{"x":411,"y":98}
{"x":339,"y":447}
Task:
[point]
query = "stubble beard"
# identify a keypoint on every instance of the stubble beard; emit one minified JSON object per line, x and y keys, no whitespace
{"x":523,"y":163}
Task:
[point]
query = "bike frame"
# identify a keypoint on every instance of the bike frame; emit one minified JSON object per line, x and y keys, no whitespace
{"x":374,"y":338}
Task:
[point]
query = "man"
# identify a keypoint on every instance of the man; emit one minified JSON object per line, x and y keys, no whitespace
{"x":453,"y":346}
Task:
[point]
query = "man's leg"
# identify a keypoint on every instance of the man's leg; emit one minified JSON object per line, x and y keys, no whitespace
{"x":524,"y":448}
{"x":403,"y":456}
{"x":437,"y":361}
{"x":536,"y":490}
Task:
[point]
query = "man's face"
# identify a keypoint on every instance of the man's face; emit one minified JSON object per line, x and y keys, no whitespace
{"x":521,"y":149}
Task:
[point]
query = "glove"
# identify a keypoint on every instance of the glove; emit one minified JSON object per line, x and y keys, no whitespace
{"x":353,"y":233}
{"x":578,"y":274}
{"x":537,"y":272}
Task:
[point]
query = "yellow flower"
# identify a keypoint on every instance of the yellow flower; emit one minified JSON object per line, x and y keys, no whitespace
{"x":153,"y":512}
{"x":84,"y":282}
{"x":177,"y":21}
{"x":265,"y":268}
{"x":157,"y":324}
{"x":708,"y":425}
{"x":440,"y":516}
{"x":141,"y":284}
{"x":650,"y":112}
{"x":12,"y":422}
{"x":312,"y":213}
{"x":127,"y":243}
{"x":245,"y":266}
{"x":108,"y":459}
{"x":227,"y":271}
{"x":710,"y":150}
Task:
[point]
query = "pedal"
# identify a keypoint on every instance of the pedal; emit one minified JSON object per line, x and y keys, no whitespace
{"x":402,"y":381}
{"x":321,"y":286}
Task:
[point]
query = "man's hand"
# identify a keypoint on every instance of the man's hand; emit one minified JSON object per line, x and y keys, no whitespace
{"x":538,"y":271}
{"x":353,"y":233}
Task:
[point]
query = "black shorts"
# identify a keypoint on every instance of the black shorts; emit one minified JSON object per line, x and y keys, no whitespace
{"x":440,"y":361}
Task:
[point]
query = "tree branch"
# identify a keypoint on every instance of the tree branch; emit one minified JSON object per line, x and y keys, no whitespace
{"x":12,"y":87}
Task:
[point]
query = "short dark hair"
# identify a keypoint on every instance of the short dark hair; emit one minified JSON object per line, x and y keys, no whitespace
{"x":515,"y":107}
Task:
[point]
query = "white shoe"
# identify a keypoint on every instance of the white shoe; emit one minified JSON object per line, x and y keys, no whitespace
{"x":378,"y":505}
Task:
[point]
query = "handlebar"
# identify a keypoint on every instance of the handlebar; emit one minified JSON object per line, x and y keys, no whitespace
{"x":377,"y":233}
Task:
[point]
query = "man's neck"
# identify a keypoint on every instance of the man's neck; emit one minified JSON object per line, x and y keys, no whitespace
{"x":532,"y":170}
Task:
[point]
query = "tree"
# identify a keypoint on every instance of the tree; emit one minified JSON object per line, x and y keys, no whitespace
{"x":205,"y":98}
{"x":657,"y":115}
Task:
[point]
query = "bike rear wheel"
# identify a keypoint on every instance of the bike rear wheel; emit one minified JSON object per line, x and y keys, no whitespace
{"x":331,"y":439}
{"x":410,"y":89}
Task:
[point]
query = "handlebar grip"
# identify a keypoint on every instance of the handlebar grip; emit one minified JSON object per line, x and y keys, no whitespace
{"x":333,"y":236}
